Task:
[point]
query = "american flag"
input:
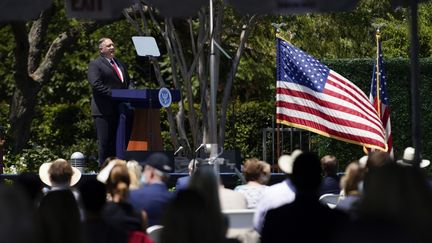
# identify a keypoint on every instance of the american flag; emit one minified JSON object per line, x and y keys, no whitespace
{"x":378,"y":95}
{"x":315,"y":98}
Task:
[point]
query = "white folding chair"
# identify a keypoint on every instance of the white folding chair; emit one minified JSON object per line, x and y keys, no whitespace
{"x":154,"y":232}
{"x":329,"y":199}
{"x":240,"y":218}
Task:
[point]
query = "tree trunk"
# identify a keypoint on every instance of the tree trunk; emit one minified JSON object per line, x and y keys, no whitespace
{"x":230,"y":77}
{"x":24,"y":98}
{"x":32,"y":71}
{"x":21,"y":113}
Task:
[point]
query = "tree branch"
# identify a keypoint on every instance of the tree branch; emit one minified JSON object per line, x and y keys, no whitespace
{"x":57,"y":49}
{"x":230,"y":77}
{"x":36,"y":38}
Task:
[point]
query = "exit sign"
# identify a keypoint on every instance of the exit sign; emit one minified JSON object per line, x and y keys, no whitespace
{"x":95,"y":9}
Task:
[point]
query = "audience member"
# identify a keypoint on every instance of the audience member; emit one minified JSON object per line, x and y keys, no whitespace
{"x":182,"y":182}
{"x":254,"y":173}
{"x":58,"y":218}
{"x":278,"y":194}
{"x":16,"y":216}
{"x":265,"y":177}
{"x":153,"y":196}
{"x":231,"y":199}
{"x":351,"y":192}
{"x":305,"y":219}
{"x":408,"y":159}
{"x":60,"y":175}
{"x":96,"y":228}
{"x":31,"y":184}
{"x":119,"y":210}
{"x":377,"y":159}
{"x":396,"y":206}
{"x":190,"y":218}
{"x":205,"y":182}
{"x":330,"y":182}
{"x":135,"y":171}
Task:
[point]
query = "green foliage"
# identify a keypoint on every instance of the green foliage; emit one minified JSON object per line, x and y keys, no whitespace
{"x":7,"y":56}
{"x":62,"y":124}
{"x":29,"y":159}
{"x":245,"y":122}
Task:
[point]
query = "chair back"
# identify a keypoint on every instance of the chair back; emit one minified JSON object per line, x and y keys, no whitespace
{"x":154,"y":232}
{"x":240,"y":218}
{"x":329,"y":200}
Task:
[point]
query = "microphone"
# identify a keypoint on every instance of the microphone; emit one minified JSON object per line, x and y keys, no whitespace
{"x":202,"y":145}
{"x":178,"y":150}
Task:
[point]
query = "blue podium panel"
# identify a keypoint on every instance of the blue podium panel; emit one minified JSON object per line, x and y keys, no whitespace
{"x":142,"y":98}
{"x":139,"y":119}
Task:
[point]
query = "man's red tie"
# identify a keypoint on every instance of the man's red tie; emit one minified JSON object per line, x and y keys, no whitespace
{"x":116,"y":69}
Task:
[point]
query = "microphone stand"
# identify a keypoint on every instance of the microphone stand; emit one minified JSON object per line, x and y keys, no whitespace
{"x":195,"y":156}
{"x":213,"y":161}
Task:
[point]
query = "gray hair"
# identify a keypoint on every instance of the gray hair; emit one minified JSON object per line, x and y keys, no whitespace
{"x":101,"y":40}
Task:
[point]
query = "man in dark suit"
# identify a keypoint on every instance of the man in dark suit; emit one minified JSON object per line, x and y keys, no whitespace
{"x":105,"y":73}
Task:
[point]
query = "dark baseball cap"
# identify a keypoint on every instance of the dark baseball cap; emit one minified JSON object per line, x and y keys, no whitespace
{"x":159,"y":161}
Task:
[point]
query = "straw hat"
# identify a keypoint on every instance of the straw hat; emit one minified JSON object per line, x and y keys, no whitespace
{"x":45,"y":177}
{"x":286,"y":162}
{"x":408,"y":158}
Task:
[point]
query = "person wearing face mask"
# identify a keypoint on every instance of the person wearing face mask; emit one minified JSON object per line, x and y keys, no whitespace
{"x":104,"y":74}
{"x":153,"y":196}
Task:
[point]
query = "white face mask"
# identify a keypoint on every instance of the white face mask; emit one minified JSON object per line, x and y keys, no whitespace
{"x":143,"y":180}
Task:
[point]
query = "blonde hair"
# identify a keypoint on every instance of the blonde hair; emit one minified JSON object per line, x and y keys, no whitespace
{"x":265,"y":173}
{"x":119,"y":180}
{"x":135,"y":171}
{"x":353,"y":175}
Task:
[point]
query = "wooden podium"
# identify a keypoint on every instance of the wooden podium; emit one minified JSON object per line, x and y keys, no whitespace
{"x":139,"y":119}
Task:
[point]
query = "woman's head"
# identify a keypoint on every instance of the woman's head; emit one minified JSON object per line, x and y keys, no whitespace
{"x":118,"y":181}
{"x":353,"y":176}
{"x":252,"y":169}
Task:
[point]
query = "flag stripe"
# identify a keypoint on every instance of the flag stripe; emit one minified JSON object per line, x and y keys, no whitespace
{"x":360,"y":137}
{"x":360,"y":97}
{"x":334,"y":117}
{"x":333,"y":100}
{"x":334,"y":111}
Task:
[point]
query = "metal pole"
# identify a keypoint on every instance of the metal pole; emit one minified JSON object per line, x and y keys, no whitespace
{"x":213,"y":89}
{"x":415,"y":81}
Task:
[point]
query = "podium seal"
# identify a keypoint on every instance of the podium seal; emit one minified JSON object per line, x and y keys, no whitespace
{"x":165,"y":98}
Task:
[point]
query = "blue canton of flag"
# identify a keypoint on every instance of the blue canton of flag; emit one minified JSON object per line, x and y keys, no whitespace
{"x":300,"y":67}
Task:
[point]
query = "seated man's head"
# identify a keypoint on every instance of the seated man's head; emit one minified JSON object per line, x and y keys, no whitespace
{"x":329,"y":165}
{"x":306,"y":175}
{"x":59,"y":174}
{"x":156,"y":168}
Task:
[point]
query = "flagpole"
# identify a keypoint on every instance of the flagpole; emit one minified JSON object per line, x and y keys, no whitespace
{"x":415,"y":81}
{"x":378,"y":74}
{"x":278,"y":152}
